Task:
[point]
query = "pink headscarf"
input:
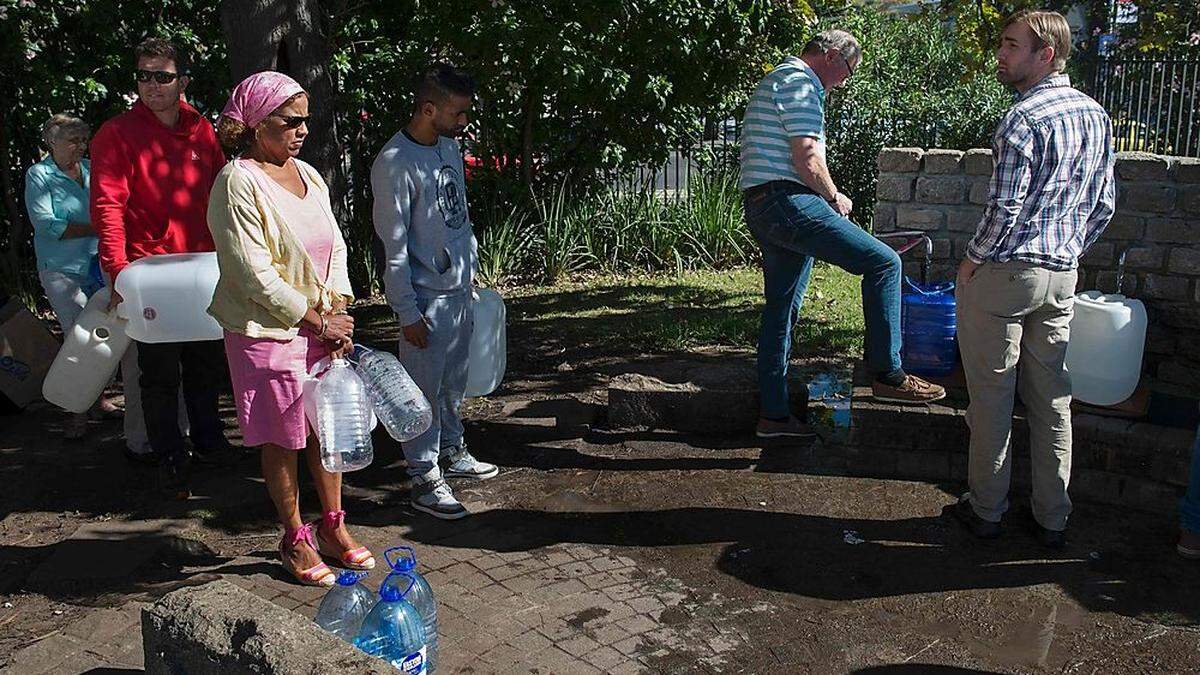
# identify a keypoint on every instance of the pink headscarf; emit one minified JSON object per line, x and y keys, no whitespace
{"x":259,"y":95}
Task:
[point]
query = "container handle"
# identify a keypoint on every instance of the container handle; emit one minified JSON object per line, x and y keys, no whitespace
{"x":939,"y":289}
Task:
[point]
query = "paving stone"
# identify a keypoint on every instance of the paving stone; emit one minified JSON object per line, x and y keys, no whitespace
{"x":605,"y":658}
{"x":646,"y":605}
{"x":609,"y":634}
{"x":530,"y":641}
{"x":102,"y":625}
{"x":639,"y":624}
{"x":578,"y":645}
{"x":629,"y":646}
{"x":627,"y":668}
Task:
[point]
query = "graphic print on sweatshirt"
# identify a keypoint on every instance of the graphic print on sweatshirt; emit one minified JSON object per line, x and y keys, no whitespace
{"x":451,"y":201}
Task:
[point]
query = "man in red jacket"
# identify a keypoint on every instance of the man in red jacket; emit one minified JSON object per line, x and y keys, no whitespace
{"x":152,"y":168}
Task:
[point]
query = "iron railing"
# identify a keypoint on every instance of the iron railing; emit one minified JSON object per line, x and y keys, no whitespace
{"x":1154,"y":103}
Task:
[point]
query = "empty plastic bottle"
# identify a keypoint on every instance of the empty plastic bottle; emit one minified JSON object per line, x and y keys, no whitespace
{"x":345,"y":606}
{"x":834,"y":398}
{"x":403,"y":560}
{"x":342,"y":419}
{"x":393,"y":630}
{"x":398,"y":402}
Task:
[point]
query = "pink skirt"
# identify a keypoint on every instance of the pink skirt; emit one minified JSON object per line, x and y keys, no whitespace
{"x":268,"y":386}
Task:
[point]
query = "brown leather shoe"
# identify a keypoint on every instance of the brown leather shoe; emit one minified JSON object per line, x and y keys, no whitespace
{"x":912,"y":391}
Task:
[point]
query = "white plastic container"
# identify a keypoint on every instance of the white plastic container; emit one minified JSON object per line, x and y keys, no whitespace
{"x":1104,"y":356}
{"x":489,"y":355}
{"x":90,"y":354}
{"x":165,"y":298}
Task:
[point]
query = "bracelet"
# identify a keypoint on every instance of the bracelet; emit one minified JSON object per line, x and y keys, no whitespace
{"x":324,"y":326}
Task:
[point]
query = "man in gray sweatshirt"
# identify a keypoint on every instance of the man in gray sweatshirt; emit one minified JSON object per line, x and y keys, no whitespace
{"x":420,"y":214}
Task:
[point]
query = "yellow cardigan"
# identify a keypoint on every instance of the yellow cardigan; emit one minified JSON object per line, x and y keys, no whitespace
{"x":268,"y":281}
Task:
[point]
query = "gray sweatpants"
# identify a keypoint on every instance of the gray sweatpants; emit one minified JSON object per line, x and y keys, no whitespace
{"x":440,"y":370}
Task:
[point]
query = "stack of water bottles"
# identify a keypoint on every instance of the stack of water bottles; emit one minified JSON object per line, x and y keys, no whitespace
{"x":346,"y":396}
{"x":400,"y":627}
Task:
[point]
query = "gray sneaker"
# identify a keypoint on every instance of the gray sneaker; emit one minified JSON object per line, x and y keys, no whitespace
{"x":791,"y":427}
{"x":430,"y":494}
{"x":462,"y":464}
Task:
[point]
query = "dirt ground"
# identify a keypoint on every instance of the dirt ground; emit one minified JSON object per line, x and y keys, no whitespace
{"x":829,"y":573}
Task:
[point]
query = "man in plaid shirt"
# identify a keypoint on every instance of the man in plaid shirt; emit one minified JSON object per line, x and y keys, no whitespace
{"x":1050,"y":197}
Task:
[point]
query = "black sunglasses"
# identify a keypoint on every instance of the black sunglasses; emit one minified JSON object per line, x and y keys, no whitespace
{"x":293,"y":121}
{"x":159,"y":76}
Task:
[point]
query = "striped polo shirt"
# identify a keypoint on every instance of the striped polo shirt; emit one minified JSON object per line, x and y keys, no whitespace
{"x":789,"y":102}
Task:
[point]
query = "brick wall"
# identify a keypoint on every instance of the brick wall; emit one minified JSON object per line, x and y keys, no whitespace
{"x":942,"y":192}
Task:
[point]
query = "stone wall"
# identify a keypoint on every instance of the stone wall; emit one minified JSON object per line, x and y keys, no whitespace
{"x":942,"y":192}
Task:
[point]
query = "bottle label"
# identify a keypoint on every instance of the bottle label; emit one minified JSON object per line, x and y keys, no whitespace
{"x":414,"y":663}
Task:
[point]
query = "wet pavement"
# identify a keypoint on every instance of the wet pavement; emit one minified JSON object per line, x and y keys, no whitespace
{"x":601,"y":550}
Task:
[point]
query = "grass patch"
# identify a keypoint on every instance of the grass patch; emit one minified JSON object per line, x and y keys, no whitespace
{"x":672,"y":312}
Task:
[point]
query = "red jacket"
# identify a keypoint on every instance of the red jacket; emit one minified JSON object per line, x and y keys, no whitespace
{"x":149,"y":186}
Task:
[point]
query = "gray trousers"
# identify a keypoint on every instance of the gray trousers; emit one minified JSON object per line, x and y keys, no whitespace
{"x":440,"y":370}
{"x":1013,"y":327}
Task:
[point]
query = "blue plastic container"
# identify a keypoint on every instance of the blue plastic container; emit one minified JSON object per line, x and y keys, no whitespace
{"x":393,"y":630}
{"x":403,"y":559}
{"x":929,"y":328}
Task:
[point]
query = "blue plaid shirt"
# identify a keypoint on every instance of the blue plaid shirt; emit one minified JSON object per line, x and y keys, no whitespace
{"x":1051,"y":192}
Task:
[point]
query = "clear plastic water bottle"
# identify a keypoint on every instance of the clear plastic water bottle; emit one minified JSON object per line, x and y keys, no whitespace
{"x":342,"y":418}
{"x":834,"y":396}
{"x":393,"y":630}
{"x":398,"y":401}
{"x":403,"y":560}
{"x":345,"y":606}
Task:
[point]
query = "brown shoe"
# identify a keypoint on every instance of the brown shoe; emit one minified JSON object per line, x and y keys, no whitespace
{"x":912,"y":391}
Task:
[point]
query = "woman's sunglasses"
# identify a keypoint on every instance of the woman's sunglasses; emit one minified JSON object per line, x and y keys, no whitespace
{"x":159,"y":76}
{"x":293,"y":121}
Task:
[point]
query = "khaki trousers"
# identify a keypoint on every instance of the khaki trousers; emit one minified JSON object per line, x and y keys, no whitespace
{"x":1013,"y":326}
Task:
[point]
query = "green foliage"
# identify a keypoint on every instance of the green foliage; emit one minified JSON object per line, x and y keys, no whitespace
{"x":77,"y":57}
{"x":911,"y":89}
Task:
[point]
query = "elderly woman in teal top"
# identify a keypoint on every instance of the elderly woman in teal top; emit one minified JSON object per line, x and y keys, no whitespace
{"x":56,"y":196}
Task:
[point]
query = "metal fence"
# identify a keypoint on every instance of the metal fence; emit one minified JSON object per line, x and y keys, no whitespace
{"x":1154,"y":103}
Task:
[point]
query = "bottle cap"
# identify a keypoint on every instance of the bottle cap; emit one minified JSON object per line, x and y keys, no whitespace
{"x":349,"y":578}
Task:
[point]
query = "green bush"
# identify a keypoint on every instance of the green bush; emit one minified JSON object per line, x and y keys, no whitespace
{"x":911,"y":89}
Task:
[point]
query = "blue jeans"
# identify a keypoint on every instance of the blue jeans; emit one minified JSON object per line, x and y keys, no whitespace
{"x":794,"y":226}
{"x":1189,"y":508}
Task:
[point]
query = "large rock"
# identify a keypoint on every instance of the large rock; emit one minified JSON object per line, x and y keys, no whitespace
{"x":218,"y":628}
{"x":700,"y":397}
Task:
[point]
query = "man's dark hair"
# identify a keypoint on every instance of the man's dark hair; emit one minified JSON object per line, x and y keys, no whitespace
{"x":439,"y":82}
{"x":166,"y":49}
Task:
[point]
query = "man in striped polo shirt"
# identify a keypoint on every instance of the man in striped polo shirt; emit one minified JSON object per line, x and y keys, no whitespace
{"x":797,"y":215}
{"x":1050,"y":197}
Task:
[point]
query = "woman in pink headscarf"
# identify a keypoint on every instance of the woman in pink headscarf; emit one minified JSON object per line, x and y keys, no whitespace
{"x":281,"y":299}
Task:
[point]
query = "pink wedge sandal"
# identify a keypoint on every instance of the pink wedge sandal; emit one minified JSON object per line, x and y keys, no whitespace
{"x":317,"y":575}
{"x":356,"y":558}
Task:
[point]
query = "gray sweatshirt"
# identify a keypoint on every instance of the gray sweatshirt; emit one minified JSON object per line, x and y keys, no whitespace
{"x":420,"y":215}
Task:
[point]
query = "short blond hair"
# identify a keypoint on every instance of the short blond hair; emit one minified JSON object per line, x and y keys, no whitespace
{"x":1051,"y":29}
{"x":62,"y":125}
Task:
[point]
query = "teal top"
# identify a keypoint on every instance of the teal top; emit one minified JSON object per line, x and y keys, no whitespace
{"x":53,"y":200}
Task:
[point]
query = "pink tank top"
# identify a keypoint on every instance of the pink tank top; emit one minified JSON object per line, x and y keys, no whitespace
{"x":305,"y":216}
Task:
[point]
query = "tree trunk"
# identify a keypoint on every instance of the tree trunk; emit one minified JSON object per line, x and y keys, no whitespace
{"x":288,"y":36}
{"x":531,"y":107}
